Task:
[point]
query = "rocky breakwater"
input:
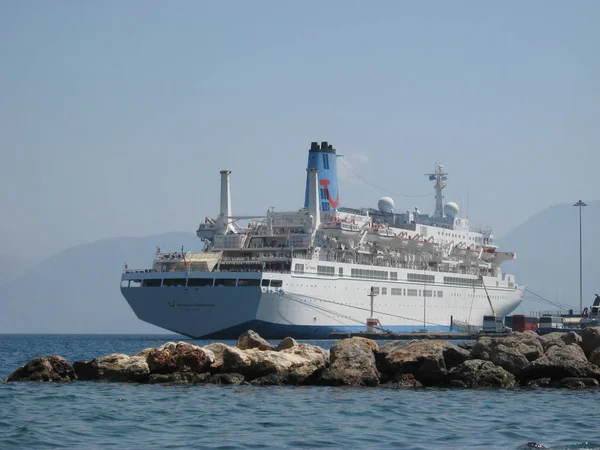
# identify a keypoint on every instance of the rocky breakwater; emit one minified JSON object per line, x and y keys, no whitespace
{"x":521,"y":359}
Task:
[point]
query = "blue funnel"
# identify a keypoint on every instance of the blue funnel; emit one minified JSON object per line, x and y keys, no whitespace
{"x":324,"y":159}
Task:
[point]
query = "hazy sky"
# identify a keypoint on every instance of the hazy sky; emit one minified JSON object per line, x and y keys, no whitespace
{"x":116,"y":117}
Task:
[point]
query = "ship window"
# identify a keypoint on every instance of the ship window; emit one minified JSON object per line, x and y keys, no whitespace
{"x":326,"y":270}
{"x":225,"y":282}
{"x":412,"y":292}
{"x":174,"y":282}
{"x":299,"y":268}
{"x":248,"y":282}
{"x":440,"y":293}
{"x":265,"y":283}
{"x":383,"y":291}
{"x":341,"y":271}
{"x":376,"y":290}
{"x":200,"y":282}
{"x":135,"y":283}
{"x":152,"y":282}
{"x":427,"y":293}
{"x":396,"y":291}
{"x":394,"y":276}
{"x":276,"y":283}
{"x":421,"y":278}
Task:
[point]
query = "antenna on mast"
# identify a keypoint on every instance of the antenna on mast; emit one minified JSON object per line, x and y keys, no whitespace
{"x":439,"y":176}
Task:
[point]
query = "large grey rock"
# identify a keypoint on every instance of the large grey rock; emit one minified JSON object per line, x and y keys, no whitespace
{"x":530,"y":344}
{"x":590,"y":339}
{"x":234,"y":360}
{"x":594,"y":357}
{"x":45,"y":368}
{"x":507,"y":352}
{"x":179,"y":357}
{"x":216,"y":349}
{"x":251,"y":339}
{"x":561,"y":362}
{"x":115,"y":367}
{"x":288,"y":342}
{"x":479,"y":373}
{"x":294,"y":365}
{"x":352,"y":363}
{"x":559,"y":339}
{"x":427,"y":360}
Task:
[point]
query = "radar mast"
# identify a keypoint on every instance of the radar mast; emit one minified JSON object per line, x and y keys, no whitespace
{"x":439,"y":176}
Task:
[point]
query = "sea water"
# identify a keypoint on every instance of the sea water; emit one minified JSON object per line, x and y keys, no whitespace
{"x":132,"y":416}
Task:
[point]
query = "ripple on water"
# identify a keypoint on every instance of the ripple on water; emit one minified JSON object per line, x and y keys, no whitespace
{"x":88,"y":414}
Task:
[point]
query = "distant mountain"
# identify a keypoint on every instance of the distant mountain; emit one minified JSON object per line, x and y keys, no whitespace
{"x":77,"y":290}
{"x":11,"y":268}
{"x":547,"y":247}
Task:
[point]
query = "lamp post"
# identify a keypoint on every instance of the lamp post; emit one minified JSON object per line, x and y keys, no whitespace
{"x":580,"y":204}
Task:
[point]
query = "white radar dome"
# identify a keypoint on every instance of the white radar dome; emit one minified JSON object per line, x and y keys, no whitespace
{"x":386,"y":205}
{"x":451,"y":210}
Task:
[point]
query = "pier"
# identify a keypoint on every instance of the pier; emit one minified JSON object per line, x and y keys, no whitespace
{"x":444,"y":335}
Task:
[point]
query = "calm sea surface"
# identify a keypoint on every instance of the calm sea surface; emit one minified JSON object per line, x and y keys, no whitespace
{"x":103,"y":415}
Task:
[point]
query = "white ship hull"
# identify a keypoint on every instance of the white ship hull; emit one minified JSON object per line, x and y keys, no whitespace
{"x":307,"y":306}
{"x":308,"y":272}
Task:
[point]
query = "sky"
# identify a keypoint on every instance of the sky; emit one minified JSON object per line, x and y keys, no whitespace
{"x":116,"y":117}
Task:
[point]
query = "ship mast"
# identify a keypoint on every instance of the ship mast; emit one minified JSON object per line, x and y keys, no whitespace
{"x":439,"y":176}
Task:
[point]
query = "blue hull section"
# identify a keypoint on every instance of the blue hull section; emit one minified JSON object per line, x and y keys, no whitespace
{"x":279,"y":331}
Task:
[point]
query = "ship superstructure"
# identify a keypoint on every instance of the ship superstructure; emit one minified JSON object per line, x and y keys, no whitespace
{"x":309,"y":272}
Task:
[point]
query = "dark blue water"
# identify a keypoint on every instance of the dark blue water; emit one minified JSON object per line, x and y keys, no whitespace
{"x":103,"y":415}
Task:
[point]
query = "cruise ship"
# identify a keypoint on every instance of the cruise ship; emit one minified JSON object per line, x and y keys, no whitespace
{"x":326,"y":268}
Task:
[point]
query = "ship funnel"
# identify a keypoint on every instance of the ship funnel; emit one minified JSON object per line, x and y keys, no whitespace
{"x":323,"y":158}
{"x":313,"y":198}
{"x":225,"y":211}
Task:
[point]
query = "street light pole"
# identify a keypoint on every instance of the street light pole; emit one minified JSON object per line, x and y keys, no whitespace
{"x":580,"y":204}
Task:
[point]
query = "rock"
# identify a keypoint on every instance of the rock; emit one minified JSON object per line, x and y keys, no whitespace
{"x":480,"y":373}
{"x":540,"y":382}
{"x":559,"y":339}
{"x":115,"y":367}
{"x":145,"y":352}
{"x":251,"y":339}
{"x":352,"y":363}
{"x":561,"y":362}
{"x":590,"y":339}
{"x":274,"y":379}
{"x":530,"y":344}
{"x":234,"y":360}
{"x":216,"y":350}
{"x":384,"y":350}
{"x":594,"y":357}
{"x":455,"y":355}
{"x":427,"y":360}
{"x":161,"y":361}
{"x":292,"y":366}
{"x":179,"y":378}
{"x":504,"y":352}
{"x":45,"y":368}
{"x":403,"y":380}
{"x":576,"y":383}
{"x":288,"y":342}
{"x":468,"y":345}
{"x":536,"y":445}
{"x":180,"y":357}
{"x":227,"y":378}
